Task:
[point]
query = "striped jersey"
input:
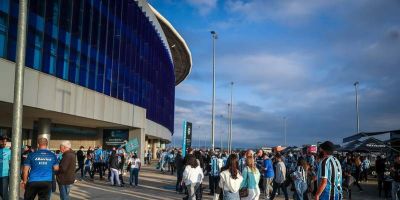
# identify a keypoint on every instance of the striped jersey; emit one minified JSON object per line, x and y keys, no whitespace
{"x":330,"y":169}
{"x":214,"y":166}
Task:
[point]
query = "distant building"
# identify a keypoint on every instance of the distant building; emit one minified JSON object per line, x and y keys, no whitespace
{"x":97,"y":72}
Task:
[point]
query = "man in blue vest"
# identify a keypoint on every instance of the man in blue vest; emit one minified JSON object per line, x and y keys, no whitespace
{"x":5,"y":157}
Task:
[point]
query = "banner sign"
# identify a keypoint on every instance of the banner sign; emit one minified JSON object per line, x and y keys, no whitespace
{"x":114,"y":137}
{"x":132,"y":145}
{"x":187,"y":137}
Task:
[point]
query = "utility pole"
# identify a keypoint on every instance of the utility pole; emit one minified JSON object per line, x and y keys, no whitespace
{"x":284,"y":124}
{"x":357,"y":109}
{"x":214,"y":37}
{"x":230,"y":121}
{"x":18,"y":102}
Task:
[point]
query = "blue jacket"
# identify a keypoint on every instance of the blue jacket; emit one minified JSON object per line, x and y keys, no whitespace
{"x":268,"y":169}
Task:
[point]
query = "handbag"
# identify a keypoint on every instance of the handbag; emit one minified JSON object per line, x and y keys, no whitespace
{"x":244,"y":192}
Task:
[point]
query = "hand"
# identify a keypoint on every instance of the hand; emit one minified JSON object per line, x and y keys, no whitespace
{"x":23,"y":185}
{"x":316,"y":197}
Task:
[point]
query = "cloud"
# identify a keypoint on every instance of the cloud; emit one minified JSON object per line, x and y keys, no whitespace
{"x":290,"y":11}
{"x":305,"y":73}
{"x":204,"y":6}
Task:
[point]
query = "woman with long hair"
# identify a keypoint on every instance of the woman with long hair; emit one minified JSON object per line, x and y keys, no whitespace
{"x":230,"y":179}
{"x":192,"y":176}
{"x":251,"y":178}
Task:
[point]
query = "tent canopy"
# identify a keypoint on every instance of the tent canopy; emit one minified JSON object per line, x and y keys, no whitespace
{"x":369,"y":134}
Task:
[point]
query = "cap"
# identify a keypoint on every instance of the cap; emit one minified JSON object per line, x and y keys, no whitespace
{"x":327,"y":146}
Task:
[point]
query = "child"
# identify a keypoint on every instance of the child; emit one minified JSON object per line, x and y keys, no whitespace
{"x":88,"y":166}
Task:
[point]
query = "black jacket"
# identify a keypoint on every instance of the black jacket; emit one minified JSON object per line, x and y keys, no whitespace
{"x":80,"y":156}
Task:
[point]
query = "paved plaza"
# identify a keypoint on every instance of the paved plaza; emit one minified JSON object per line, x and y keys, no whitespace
{"x":154,"y":185}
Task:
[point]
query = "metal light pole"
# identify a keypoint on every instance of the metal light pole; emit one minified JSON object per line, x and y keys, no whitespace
{"x":357,"y":109}
{"x":230,"y":120}
{"x":214,"y":37}
{"x":284,"y":125}
{"x":16,"y":140}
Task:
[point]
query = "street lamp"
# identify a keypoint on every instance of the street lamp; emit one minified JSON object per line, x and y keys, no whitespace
{"x":284,"y":127}
{"x":214,"y":37}
{"x":230,"y":120}
{"x":357,"y":109}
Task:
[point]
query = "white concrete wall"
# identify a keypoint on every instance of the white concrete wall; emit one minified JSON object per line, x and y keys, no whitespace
{"x":53,"y":94}
{"x":157,"y":130}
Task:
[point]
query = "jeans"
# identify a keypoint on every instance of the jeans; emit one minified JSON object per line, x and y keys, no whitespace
{"x":134,"y":176}
{"x":179,"y":177}
{"x":231,"y":196}
{"x":87,"y":171}
{"x":4,"y":188}
{"x":114,"y":176}
{"x":395,"y":190}
{"x":279,"y":186}
{"x":64,"y":191}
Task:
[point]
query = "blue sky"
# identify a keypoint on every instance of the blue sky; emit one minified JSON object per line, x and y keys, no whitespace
{"x":293,"y":58}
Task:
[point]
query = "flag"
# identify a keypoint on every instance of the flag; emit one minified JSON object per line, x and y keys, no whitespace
{"x":132,"y":145}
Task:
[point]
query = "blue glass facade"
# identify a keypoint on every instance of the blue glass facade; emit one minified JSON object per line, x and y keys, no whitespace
{"x":107,"y":46}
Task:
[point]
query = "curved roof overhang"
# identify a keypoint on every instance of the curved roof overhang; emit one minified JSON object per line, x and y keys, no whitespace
{"x":181,"y":56}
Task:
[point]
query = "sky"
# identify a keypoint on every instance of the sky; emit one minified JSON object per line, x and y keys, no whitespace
{"x":296,"y":59}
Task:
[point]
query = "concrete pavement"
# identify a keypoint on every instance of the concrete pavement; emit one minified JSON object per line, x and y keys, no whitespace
{"x":154,"y":185}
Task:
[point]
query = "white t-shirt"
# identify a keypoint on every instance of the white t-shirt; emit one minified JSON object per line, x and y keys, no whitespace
{"x":134,"y":163}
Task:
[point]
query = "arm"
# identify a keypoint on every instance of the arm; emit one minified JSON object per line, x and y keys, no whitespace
{"x":244,"y":182}
{"x":321,"y":188}
{"x":25,"y":175}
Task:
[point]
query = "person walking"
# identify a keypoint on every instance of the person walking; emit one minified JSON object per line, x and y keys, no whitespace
{"x":329,"y":174}
{"x":214,"y":173}
{"x":80,"y":156}
{"x":5,"y":157}
{"x":66,"y":172}
{"x":260,"y":163}
{"x":98,"y":161}
{"x":251,"y":177}
{"x":380,"y":171}
{"x":230,"y":179}
{"x":171,"y":160}
{"x":135,"y":164}
{"x":365,"y":165}
{"x":192,"y":176}
{"x":88,"y":167}
{"x":280,"y":177}
{"x":38,"y":172}
{"x":300,"y":176}
{"x":179,"y":171}
{"x":395,"y":169}
{"x":268,"y":175}
{"x":114,"y":166}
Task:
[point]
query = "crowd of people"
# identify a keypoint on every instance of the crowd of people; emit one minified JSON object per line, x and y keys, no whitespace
{"x":244,"y":175}
{"x":42,"y":170}
{"x":254,"y":175}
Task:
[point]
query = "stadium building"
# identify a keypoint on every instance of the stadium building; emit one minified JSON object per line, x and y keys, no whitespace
{"x":98,"y":72}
